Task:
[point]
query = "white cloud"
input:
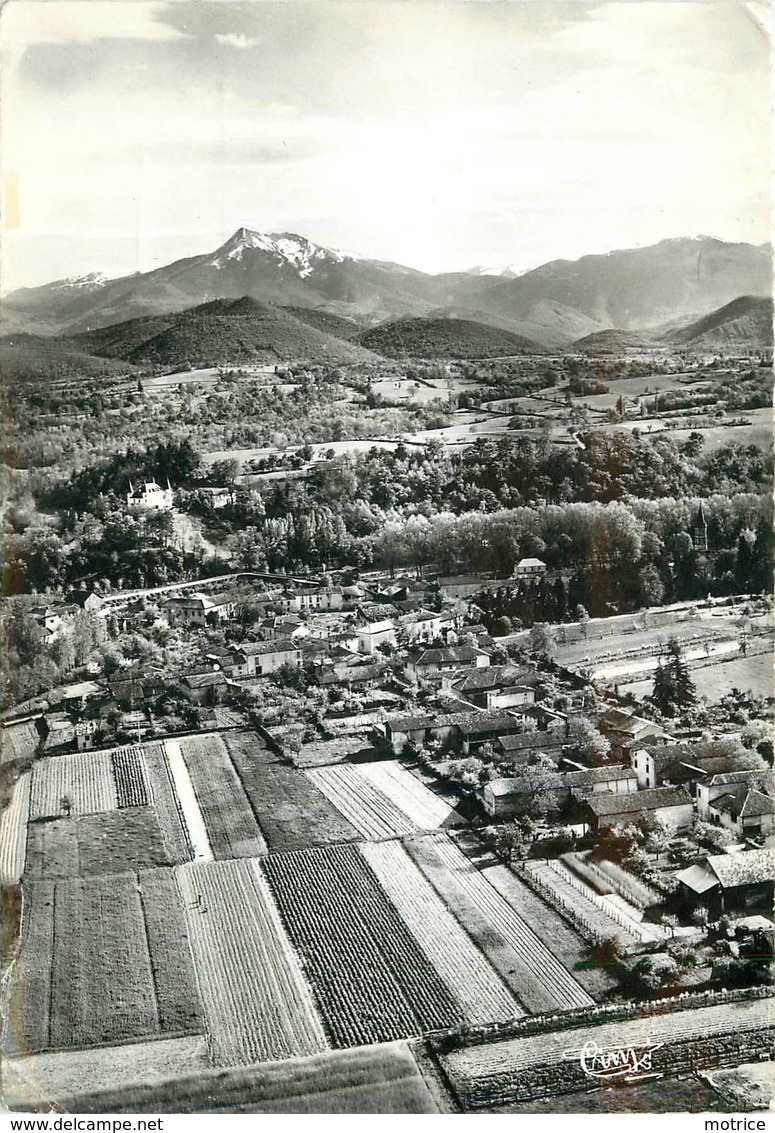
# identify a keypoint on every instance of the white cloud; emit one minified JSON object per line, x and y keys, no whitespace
{"x":233,"y":40}
{"x":29,"y":22}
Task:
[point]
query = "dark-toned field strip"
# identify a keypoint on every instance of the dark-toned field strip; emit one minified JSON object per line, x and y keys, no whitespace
{"x":103,"y":960}
{"x":371,"y":980}
{"x":129,"y":773}
{"x":292,"y":813}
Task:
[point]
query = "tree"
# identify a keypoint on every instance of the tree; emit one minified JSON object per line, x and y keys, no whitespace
{"x":655,"y":972}
{"x":674,"y":692}
{"x":543,"y":640}
{"x":590,"y":745}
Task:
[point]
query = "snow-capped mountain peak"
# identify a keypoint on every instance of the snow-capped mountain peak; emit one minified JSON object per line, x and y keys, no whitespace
{"x":296,"y":251}
{"x":82,"y":282}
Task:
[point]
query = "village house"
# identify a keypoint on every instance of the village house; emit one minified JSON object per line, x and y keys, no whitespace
{"x":431,"y":663}
{"x":203,"y":688}
{"x":676,"y":765}
{"x":53,"y":619}
{"x":58,"y":730}
{"x":321,"y":598}
{"x":420,"y":626}
{"x":261,"y":658}
{"x":739,"y":802}
{"x":403,"y":730}
{"x":627,"y":732}
{"x":728,"y":883}
{"x":529,"y":568}
{"x":217,"y":498}
{"x":374,"y":634}
{"x":465,"y":585}
{"x":198,"y":609}
{"x":518,"y":748}
{"x":671,"y":805}
{"x":150,"y":496}
{"x":494,"y":686}
{"x":504,"y":798}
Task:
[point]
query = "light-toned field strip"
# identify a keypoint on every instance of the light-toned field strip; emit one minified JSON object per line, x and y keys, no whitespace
{"x":479,"y":1063}
{"x":13,"y":832}
{"x":420,"y":805}
{"x":257,"y":1003}
{"x":365,"y":807}
{"x":73,"y":784}
{"x":42,"y":1078}
{"x":477,"y":987}
{"x":192,"y":815}
{"x":545,"y":967}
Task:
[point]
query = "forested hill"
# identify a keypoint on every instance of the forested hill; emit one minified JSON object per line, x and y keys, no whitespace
{"x":445,"y":338}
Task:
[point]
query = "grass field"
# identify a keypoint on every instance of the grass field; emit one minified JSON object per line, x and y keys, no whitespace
{"x":533,"y":973}
{"x":372,"y":981}
{"x":753,"y":674}
{"x":231,"y":826}
{"x":41,"y":1081}
{"x":13,"y":832}
{"x":113,"y":842}
{"x":257,"y":1004}
{"x":73,"y":784}
{"x":100,"y":963}
{"x":102,"y":988}
{"x":291,"y":812}
{"x":377,"y":1079}
{"x":482,"y":995}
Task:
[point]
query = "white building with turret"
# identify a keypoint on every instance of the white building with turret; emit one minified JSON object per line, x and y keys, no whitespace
{"x":150,"y":496}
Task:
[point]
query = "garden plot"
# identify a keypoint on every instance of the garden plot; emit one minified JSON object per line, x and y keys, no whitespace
{"x":362,"y":804}
{"x":372,"y":981}
{"x":177,"y":995}
{"x":426,"y":810}
{"x":537,"y":977}
{"x":232,"y":830}
{"x":482,"y":995}
{"x":291,"y":812}
{"x":26,"y":1022}
{"x":570,"y":895}
{"x":257,"y":1004}
{"x":13,"y":832}
{"x":73,"y":784}
{"x":130,"y":776}
{"x":165,"y":804}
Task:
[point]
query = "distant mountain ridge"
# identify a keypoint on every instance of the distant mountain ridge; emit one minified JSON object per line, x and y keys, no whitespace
{"x":553,"y":305}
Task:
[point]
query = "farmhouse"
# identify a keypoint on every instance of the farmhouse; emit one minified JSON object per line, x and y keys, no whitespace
{"x":673,"y":805}
{"x":260,"y":658}
{"x":198,"y":609}
{"x":518,"y":747}
{"x":477,"y":728}
{"x":150,"y":496}
{"x":677,"y":765}
{"x":203,"y":688}
{"x":739,"y":802}
{"x":53,"y":619}
{"x":371,"y":636}
{"x":403,"y":730}
{"x":529,"y":568}
{"x":724,"y":883}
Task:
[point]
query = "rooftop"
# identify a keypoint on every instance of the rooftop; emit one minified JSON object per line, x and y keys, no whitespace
{"x":747,"y":867}
{"x":633,"y":801}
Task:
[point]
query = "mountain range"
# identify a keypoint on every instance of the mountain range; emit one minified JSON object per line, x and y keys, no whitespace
{"x":676,"y":283}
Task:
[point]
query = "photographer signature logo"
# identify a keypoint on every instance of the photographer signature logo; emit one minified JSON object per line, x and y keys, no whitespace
{"x":629,"y":1063}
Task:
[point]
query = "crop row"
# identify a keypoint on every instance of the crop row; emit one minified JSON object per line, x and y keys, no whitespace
{"x":593,"y":922}
{"x":361,"y":803}
{"x":372,"y":980}
{"x":635,"y":891}
{"x":548,"y":985}
{"x":257,"y":1004}
{"x":67,"y":785}
{"x":231,"y":826}
{"x":129,"y":773}
{"x":13,"y":832}
{"x":481,"y":994}
{"x":426,"y":810}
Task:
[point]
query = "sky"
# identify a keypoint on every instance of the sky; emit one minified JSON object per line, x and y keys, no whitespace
{"x":437,"y":135}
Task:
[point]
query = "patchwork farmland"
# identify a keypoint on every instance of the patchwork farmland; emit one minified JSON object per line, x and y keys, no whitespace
{"x":232,"y":830}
